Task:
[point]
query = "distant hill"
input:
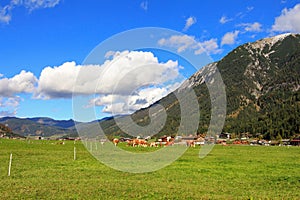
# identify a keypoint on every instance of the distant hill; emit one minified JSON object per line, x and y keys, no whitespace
{"x":262,"y":82}
{"x":45,"y":127}
{"x":5,"y":131}
{"x":51,"y":122}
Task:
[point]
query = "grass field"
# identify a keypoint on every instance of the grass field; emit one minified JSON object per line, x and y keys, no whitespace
{"x":41,"y":170}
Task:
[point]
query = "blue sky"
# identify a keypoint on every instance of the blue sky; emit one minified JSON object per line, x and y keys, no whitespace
{"x":44,"y":43}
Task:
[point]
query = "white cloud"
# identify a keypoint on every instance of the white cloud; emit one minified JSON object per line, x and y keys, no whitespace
{"x":9,"y":106}
{"x":224,"y":20}
{"x":5,"y":113}
{"x":210,"y":46}
{"x":37,"y":4}
{"x":252,"y":27}
{"x":144,"y":5}
{"x":134,"y":78}
{"x":125,"y":104}
{"x":109,"y":54}
{"x":250,"y":8}
{"x":10,"y":101}
{"x":185,"y":42}
{"x":229,"y":38}
{"x":6,"y":11}
{"x":21,"y":83}
{"x":123,"y":74}
{"x":24,"y":82}
{"x":288,"y":21}
{"x":59,"y":81}
{"x":180,"y":42}
{"x":130,"y":80}
{"x":189,"y":22}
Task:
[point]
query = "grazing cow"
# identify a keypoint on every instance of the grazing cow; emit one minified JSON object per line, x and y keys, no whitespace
{"x":170,"y":143}
{"x":129,"y":142}
{"x":169,"y":138}
{"x":153,"y":144}
{"x":135,"y":142}
{"x":143,"y":143}
{"x":190,"y":143}
{"x":224,"y":144}
{"x":116,"y":141}
{"x":61,"y":143}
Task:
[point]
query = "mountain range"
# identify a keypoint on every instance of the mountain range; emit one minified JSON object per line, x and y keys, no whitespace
{"x":39,"y":126}
{"x":262,"y":82}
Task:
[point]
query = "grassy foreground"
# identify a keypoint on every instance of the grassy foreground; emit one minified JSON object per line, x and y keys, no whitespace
{"x":46,"y":170}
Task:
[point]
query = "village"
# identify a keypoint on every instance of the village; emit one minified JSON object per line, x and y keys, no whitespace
{"x":224,"y":139}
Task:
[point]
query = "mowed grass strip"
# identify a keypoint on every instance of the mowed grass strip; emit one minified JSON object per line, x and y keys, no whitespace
{"x":46,"y":170}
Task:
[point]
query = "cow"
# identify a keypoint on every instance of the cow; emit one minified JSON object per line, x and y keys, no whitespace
{"x":137,"y":143}
{"x":143,"y":143}
{"x":129,"y":142}
{"x":115,"y":141}
{"x":190,"y":143}
{"x":153,"y":144}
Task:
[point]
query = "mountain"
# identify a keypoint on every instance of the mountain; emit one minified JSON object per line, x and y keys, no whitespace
{"x":45,"y":127}
{"x":51,"y":122}
{"x":262,"y":81}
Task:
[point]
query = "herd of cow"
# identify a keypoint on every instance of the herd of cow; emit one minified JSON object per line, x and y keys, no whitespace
{"x":169,"y":141}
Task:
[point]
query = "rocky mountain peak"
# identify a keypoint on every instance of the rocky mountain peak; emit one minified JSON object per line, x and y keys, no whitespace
{"x":261,"y":44}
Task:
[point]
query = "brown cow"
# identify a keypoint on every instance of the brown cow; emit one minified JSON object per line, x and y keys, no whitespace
{"x":143,"y":143}
{"x":138,"y":143}
{"x":190,"y":143}
{"x":153,"y":144}
{"x":129,"y":142}
{"x":116,"y":141}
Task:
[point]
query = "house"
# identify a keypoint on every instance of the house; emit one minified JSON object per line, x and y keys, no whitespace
{"x":295,"y":141}
{"x":195,"y":139}
{"x":224,"y":136}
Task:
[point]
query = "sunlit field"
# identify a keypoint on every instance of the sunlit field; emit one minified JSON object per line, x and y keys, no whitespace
{"x":47,"y":170}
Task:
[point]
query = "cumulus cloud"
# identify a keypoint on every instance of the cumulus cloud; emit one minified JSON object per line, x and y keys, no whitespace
{"x":210,"y":46}
{"x":186,"y":42}
{"x":229,"y":38}
{"x":288,"y":21}
{"x":125,"y":104}
{"x":130,"y":80}
{"x":6,"y":11}
{"x":251,"y":27}
{"x":24,"y":82}
{"x":126,"y":71}
{"x":189,"y":22}
{"x":126,"y":82}
{"x":180,"y":42}
{"x":57,"y":82}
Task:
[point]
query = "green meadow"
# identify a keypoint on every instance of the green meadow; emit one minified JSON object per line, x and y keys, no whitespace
{"x":47,"y":170}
